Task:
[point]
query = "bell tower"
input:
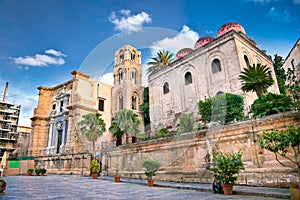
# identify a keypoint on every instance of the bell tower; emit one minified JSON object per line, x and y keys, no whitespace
{"x":127,"y":91}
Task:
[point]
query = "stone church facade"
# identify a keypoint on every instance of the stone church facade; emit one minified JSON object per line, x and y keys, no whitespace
{"x":55,"y":121}
{"x":211,"y":68}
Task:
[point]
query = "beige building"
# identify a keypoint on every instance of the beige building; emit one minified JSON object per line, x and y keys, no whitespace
{"x":55,"y":121}
{"x":24,"y":133}
{"x":292,"y":61}
{"x":211,"y":68}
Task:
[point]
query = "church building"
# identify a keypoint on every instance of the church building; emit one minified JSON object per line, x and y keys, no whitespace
{"x":212,"y":67}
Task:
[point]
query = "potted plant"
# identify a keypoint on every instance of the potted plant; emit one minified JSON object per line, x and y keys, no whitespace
{"x":30,"y":171}
{"x":95,"y":168}
{"x":285,"y":144}
{"x":43,"y":171}
{"x":151,"y":167}
{"x":2,"y":185}
{"x":37,"y":171}
{"x":117,"y":176}
{"x":226,"y":167}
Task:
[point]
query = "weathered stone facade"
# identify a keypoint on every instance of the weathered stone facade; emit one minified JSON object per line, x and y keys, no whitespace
{"x":205,"y":72}
{"x":55,"y":122}
{"x":293,"y":59}
{"x":187,"y":157}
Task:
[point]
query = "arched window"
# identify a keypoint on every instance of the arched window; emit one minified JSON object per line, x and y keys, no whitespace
{"x":188,"y":78}
{"x":216,"y":66}
{"x":134,"y":72}
{"x":133,"y":56}
{"x":120,"y":76}
{"x":166,"y":88}
{"x":120,"y":102}
{"x":246,"y":61}
{"x":134,"y":101}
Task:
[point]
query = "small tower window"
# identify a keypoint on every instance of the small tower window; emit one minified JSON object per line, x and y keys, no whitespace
{"x":53,"y":106}
{"x":293,"y":64}
{"x":188,"y":78}
{"x":166,"y":88}
{"x":120,"y":76}
{"x":121,"y":57}
{"x":132,"y":56}
{"x":120,"y":102}
{"x":134,"y":102}
{"x":216,"y":66}
{"x":134,"y":76}
{"x":61,"y":105}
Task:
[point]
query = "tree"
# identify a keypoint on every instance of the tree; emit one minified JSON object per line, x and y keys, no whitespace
{"x":128,"y":122}
{"x":256,"y":78}
{"x":293,"y":87}
{"x":269,"y":104}
{"x":144,"y":107}
{"x":163,"y":58}
{"x":186,"y":123}
{"x":116,"y":132}
{"x":283,"y":143}
{"x":92,"y":126}
{"x":224,"y":108}
{"x":280,"y":73}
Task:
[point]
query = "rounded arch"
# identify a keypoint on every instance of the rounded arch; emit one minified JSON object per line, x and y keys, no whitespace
{"x":216,"y":65}
{"x":188,"y":78}
{"x":216,"y":55}
{"x":166,"y":88}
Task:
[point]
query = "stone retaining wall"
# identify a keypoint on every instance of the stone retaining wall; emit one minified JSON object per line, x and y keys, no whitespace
{"x":187,"y":157}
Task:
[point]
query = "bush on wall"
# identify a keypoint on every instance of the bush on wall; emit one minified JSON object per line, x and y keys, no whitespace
{"x":223,"y":108}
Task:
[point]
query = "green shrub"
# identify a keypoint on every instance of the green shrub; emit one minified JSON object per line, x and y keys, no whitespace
{"x":30,"y":170}
{"x":186,"y":123}
{"x":223,"y":108}
{"x":269,"y":104}
{"x":163,"y":132}
{"x":151,"y":167}
{"x":95,"y":166}
{"x":226,"y":166}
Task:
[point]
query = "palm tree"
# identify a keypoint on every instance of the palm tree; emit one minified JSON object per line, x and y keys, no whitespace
{"x":116,"y":132}
{"x":163,"y":58}
{"x":256,"y":78}
{"x":92,"y":126}
{"x":127,"y":122}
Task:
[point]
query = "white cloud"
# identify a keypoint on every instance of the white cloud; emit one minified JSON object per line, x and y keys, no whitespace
{"x":42,"y":60}
{"x":128,"y":22}
{"x":55,"y":53}
{"x":281,"y":15}
{"x":186,"y":38}
{"x":296,"y":1}
{"x":262,"y":1}
{"x":107,"y":78}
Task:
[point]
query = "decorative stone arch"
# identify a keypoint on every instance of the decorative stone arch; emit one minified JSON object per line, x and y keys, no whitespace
{"x":247,"y":60}
{"x":216,"y":55}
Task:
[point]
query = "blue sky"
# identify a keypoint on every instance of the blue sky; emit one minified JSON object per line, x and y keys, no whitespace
{"x":42,"y":41}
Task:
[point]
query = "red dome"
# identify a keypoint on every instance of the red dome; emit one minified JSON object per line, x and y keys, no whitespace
{"x":183,"y":52}
{"x":230,"y":26}
{"x":202,"y":41}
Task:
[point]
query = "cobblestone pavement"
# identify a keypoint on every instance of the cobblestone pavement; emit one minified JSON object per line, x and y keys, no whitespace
{"x":72,"y":187}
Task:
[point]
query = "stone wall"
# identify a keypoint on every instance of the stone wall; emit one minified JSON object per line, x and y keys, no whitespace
{"x":187,"y":157}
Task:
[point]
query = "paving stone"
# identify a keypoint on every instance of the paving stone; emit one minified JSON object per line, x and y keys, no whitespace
{"x":74,"y":187}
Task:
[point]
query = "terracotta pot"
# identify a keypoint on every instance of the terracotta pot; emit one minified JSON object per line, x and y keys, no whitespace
{"x":227,"y":188}
{"x":43,"y":174}
{"x":94,"y":176}
{"x":3,"y":186}
{"x":117,"y":179}
{"x":295,"y":193}
{"x":150,"y":182}
{"x":29,"y":173}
